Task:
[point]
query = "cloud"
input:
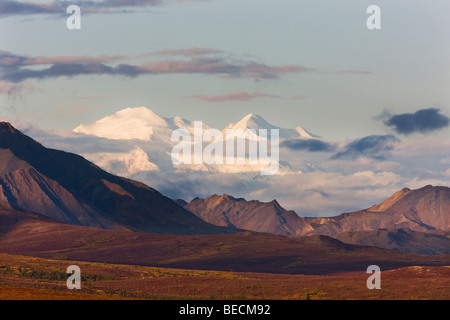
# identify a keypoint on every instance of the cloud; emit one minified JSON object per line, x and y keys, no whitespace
{"x":233,"y":96}
{"x":423,"y":121}
{"x":309,"y":194}
{"x":8,"y":8}
{"x":11,"y":62}
{"x":375,"y":147}
{"x":312,"y":145}
{"x":72,"y":59}
{"x":57,"y":70}
{"x":223,"y":67}
{"x":205,"y":61}
{"x":14,"y":7}
{"x":15,"y":68}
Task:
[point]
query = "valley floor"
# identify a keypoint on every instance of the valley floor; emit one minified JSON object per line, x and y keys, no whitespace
{"x":25,"y":278}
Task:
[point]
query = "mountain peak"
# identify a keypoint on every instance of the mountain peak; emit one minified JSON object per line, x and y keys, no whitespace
{"x":252,"y":116}
{"x":140,"y":113}
{"x":397,"y":196}
{"x":251,"y":121}
{"x":258,"y":121}
{"x":305,"y":133}
{"x":15,"y":140}
{"x":6,"y":127}
{"x":219,"y":197}
{"x":130,"y":123}
{"x":414,"y":194}
{"x":254,"y":215}
{"x":255,"y":122}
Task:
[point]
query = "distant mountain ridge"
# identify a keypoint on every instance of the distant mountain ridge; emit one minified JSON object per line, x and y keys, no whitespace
{"x":423,"y":209}
{"x":420,"y":213}
{"x":253,"y":215}
{"x":144,"y":124}
{"x":68,"y":188}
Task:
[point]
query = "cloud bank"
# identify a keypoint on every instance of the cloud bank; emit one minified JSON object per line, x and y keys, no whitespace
{"x":17,"y":68}
{"x":312,"y":145}
{"x":17,"y":8}
{"x":376,"y":147}
{"x":422,"y":121}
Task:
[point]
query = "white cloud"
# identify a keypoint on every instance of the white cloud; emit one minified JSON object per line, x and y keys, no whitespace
{"x":123,"y":164}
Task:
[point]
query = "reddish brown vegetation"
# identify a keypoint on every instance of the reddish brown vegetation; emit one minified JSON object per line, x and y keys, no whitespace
{"x":137,"y":282}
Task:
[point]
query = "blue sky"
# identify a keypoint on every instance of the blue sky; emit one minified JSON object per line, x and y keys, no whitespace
{"x":355,"y":73}
{"x":379,"y":98}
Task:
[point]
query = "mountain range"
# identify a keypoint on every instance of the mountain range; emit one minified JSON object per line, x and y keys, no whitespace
{"x":149,"y":134}
{"x":420,"y":216}
{"x":144,"y":124}
{"x":29,"y":234}
{"x":422,"y":210}
{"x":316,"y":177}
{"x":66,"y":188}
{"x":26,"y":233}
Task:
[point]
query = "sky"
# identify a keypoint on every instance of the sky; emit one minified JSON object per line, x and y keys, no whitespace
{"x":296,"y":63}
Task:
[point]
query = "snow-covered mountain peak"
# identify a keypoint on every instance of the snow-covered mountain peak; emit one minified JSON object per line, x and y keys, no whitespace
{"x":151,"y":136}
{"x":305,"y":133}
{"x":251,"y":121}
{"x":127,"y":124}
{"x":256,"y":122}
{"x":146,"y":114}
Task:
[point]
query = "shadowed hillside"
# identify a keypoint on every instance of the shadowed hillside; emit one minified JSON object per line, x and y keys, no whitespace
{"x":70,"y":189}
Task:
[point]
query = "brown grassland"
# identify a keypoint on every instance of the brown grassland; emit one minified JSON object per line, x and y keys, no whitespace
{"x":35,"y":253}
{"x":24,"y":278}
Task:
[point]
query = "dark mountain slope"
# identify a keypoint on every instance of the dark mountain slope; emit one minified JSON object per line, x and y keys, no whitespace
{"x":404,"y":240}
{"x":68,"y":188}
